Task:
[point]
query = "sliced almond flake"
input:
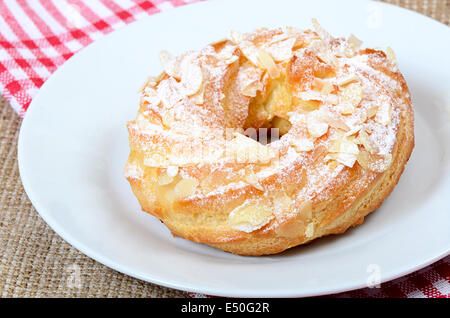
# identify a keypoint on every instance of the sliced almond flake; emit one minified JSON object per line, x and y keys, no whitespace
{"x":172,"y":171}
{"x":354,"y":42}
{"x":360,"y":118}
{"x":344,"y":145}
{"x":353,"y":130}
{"x":352,"y":93}
{"x":308,"y":105}
{"x":295,"y":226}
{"x":292,"y":30}
{"x":316,"y":125}
{"x":390,"y":54}
{"x":167,"y":119}
{"x":185,"y":188}
{"x":281,"y":50}
{"x":320,"y":30}
{"x":328,"y":58}
{"x":199,"y":97}
{"x":384,"y":114}
{"x":237,"y":36}
{"x":249,"y":79}
{"x":170,"y":92}
{"x":152,"y":97}
{"x":266,"y":62}
{"x":345,"y":108}
{"x":152,"y":82}
{"x":304,"y":210}
{"x":347,"y":80}
{"x":348,"y":52}
{"x":372,"y":112}
{"x":317,"y":84}
{"x":303,"y":144}
{"x":253,"y":179}
{"x":227,"y":54}
{"x":364,"y":140}
{"x":169,"y":64}
{"x":282,"y":204}
{"x":346,"y":159}
{"x":374,"y":162}
{"x":309,"y":231}
{"x":143,"y":86}
{"x":327,"y":87}
{"x":191,"y":76}
{"x":335,"y":122}
{"x":332,"y":99}
{"x":279,"y":37}
{"x":250,"y":217}
{"x":310,"y":95}
{"x":318,"y":153}
{"x":165,"y":179}
{"x":252,"y":89}
{"x":251,"y":52}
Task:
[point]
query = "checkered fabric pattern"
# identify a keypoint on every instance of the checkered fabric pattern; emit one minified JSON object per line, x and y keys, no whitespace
{"x":38,"y":36}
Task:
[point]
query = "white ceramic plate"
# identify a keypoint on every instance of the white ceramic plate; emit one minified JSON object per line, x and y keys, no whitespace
{"x":73,"y":146}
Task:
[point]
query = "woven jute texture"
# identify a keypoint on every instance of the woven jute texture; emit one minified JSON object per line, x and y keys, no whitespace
{"x":36,"y":262}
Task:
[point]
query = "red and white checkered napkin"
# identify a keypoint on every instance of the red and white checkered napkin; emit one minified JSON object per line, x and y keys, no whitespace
{"x":38,"y":36}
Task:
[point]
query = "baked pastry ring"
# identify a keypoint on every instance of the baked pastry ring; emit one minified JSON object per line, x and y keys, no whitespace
{"x":343,"y":115}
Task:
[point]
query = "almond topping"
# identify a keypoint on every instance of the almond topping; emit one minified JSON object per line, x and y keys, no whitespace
{"x":308,"y":105}
{"x":374,"y":162}
{"x":151,"y":96}
{"x":344,"y":145}
{"x":327,"y":87}
{"x":346,"y":108}
{"x":266,"y":62}
{"x":390,"y":54}
{"x":281,"y":50}
{"x":250,"y":217}
{"x":172,"y":171}
{"x":346,"y":159}
{"x":253,"y":180}
{"x":169,"y":64}
{"x":335,"y":122}
{"x":347,"y":80}
{"x":191,"y":76}
{"x":309,"y":231}
{"x":303,"y":144}
{"x":364,"y":140}
{"x":384,"y":114}
{"x":237,"y":36}
{"x":296,"y":226}
{"x":185,"y":188}
{"x":167,"y":119}
{"x":283,"y":203}
{"x":165,"y":179}
{"x":352,"y":93}
{"x":372,"y":111}
{"x":316,"y":125}
{"x":354,"y":42}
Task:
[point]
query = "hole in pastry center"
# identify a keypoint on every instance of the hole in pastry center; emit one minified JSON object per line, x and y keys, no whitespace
{"x":267,"y":119}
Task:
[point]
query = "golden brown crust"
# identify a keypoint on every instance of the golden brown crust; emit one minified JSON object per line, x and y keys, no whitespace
{"x":317,"y":183}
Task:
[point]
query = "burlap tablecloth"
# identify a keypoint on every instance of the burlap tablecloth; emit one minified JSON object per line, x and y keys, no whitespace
{"x":36,"y":262}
